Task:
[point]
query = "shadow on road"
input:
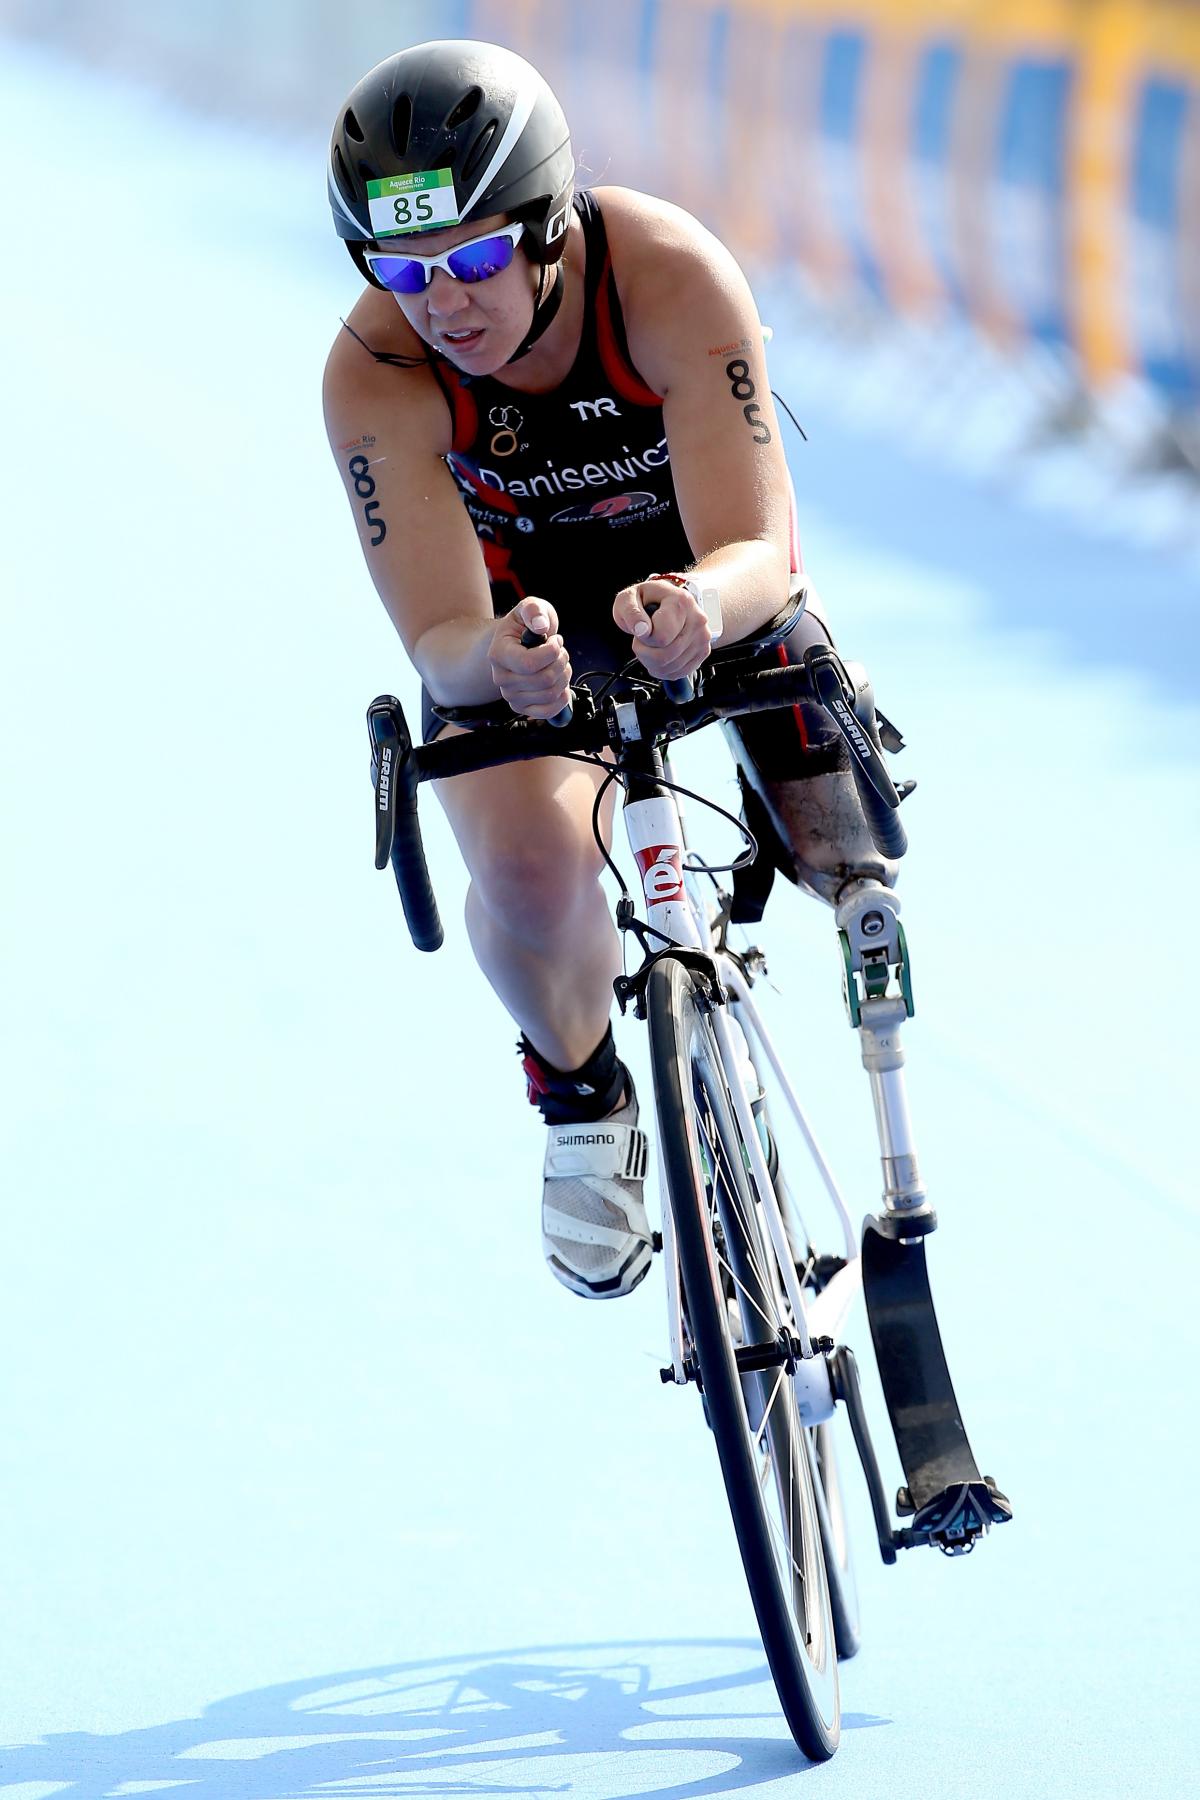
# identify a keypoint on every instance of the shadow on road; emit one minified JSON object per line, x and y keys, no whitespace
{"x":678,"y":1719}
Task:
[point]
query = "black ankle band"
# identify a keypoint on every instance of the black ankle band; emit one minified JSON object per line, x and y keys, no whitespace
{"x":575,"y":1096}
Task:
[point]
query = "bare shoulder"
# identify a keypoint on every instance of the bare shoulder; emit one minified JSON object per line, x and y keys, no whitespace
{"x":678,"y":283}
{"x":643,"y":231}
{"x":362,"y":395}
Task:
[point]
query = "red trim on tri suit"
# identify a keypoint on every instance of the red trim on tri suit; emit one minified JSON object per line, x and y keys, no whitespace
{"x":466,"y":415}
{"x":468,"y":472}
{"x":460,"y":402}
{"x":620,"y":371}
{"x":498,"y":562}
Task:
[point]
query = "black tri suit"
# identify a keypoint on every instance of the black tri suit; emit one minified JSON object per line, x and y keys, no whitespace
{"x":570,"y":492}
{"x":571,"y":496}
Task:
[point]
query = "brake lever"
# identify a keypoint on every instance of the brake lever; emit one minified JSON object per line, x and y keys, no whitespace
{"x":389,"y":744}
{"x":832,"y":686}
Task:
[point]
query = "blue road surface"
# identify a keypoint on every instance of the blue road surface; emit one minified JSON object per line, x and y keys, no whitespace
{"x":313,"y":1481}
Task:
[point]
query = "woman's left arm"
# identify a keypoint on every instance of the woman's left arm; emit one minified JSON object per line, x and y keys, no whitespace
{"x":696,"y":338}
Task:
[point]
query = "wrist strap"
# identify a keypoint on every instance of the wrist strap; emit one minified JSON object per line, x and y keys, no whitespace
{"x":708,"y":599}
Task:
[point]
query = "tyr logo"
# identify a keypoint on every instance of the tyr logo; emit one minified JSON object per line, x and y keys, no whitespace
{"x":662,"y":872}
{"x":591,"y":409}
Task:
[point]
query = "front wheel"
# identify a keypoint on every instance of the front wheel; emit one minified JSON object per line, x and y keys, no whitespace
{"x":785,"y":1160}
{"x":734,"y":1299}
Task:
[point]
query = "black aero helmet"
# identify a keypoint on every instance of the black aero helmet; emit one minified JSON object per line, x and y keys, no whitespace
{"x":448,"y":132}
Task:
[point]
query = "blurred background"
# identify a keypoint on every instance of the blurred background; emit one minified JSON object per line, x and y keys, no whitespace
{"x":312,"y":1478}
{"x":999,"y":188}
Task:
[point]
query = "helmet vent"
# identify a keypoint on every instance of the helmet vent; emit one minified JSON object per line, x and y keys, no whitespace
{"x":479,"y":150}
{"x":462,"y":112}
{"x":401,"y":123}
{"x":353,"y":128}
{"x":342,"y":172}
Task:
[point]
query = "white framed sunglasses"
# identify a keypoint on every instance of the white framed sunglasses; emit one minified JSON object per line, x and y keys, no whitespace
{"x":477,"y":260}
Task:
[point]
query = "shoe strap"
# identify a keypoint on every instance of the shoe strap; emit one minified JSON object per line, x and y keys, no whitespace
{"x":561,"y":1227}
{"x":602,"y":1148}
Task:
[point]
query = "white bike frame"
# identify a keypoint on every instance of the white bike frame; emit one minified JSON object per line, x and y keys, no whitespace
{"x":676,"y":907}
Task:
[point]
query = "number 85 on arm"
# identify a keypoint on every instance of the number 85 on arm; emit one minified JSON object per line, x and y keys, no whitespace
{"x":359,"y":471}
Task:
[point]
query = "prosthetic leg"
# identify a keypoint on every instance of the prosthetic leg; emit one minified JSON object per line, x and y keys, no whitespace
{"x":801,"y":801}
{"x":950,"y":1503}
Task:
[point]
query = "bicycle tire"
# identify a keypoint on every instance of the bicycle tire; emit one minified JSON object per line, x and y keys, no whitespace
{"x":766,"y":1457}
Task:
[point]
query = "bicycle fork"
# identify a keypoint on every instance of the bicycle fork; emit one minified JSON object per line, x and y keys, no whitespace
{"x":654,"y":825}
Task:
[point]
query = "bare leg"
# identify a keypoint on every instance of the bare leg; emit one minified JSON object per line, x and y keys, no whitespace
{"x":536,"y":914}
{"x":559,"y":991}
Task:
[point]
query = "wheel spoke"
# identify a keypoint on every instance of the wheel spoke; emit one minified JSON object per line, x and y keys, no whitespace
{"x":766,"y":1318}
{"x":717,"y":1155}
{"x":784,"y":1553}
{"x":740,"y":1288}
{"x":771,"y":1400}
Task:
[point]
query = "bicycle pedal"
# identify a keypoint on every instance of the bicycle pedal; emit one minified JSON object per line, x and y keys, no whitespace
{"x":960,"y":1516}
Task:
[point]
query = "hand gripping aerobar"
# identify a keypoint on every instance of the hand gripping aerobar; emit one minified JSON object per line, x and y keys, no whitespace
{"x":678,"y":691}
{"x":722,"y":691}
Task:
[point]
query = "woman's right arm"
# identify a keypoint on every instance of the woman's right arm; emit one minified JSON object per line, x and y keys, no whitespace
{"x":389,"y":430}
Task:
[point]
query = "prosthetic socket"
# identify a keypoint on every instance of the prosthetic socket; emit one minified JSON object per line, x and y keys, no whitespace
{"x":799,"y":795}
{"x":799,"y":799}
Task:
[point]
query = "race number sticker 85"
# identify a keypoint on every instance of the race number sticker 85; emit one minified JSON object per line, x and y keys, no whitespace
{"x":419,"y":202}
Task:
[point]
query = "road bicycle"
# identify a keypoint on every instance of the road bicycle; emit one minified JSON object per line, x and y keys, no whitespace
{"x":754,"y":1308}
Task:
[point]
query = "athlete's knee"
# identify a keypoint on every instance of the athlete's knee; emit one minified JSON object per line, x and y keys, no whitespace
{"x":533,"y":884}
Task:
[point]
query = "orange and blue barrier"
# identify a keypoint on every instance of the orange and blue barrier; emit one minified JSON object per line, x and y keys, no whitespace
{"x":1032,"y":165}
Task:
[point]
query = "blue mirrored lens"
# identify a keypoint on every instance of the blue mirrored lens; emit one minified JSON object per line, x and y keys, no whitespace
{"x":476,"y":262}
{"x":401,"y":274}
